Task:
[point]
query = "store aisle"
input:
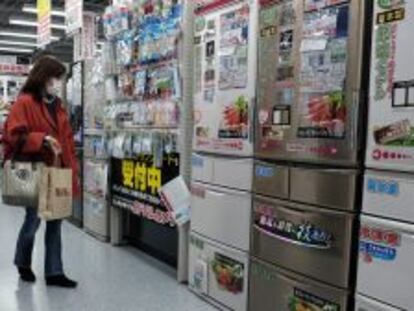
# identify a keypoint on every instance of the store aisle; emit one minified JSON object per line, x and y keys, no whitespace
{"x":111,"y":278}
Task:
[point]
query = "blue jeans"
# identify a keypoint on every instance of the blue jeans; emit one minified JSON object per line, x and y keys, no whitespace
{"x":53,"y":243}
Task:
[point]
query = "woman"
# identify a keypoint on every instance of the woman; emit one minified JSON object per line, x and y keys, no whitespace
{"x":38,"y":129}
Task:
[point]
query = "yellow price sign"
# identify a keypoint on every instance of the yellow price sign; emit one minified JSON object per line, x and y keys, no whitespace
{"x":43,"y":8}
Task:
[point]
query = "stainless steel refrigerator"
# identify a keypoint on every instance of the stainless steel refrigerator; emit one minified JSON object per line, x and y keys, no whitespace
{"x":308,"y":147}
{"x":386,"y":250}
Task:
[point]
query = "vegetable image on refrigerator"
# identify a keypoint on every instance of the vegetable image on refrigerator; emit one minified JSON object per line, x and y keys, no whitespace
{"x":224,"y":69}
{"x":310,"y":55}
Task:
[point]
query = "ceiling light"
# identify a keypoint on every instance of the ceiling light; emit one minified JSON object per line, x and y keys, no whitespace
{"x":18,"y":43}
{"x":33,"y":10}
{"x":23,"y":35}
{"x":15,"y":50}
{"x":22,"y":22}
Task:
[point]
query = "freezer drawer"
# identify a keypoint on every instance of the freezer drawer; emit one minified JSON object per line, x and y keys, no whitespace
{"x":271,"y":180}
{"x":96,"y":215}
{"x":385,"y":270}
{"x":333,"y":188}
{"x":366,"y":304}
{"x":389,"y":194}
{"x":312,"y":241}
{"x":221,"y":214}
{"x":229,"y":172}
{"x":273,"y":289}
{"x":218,"y":272}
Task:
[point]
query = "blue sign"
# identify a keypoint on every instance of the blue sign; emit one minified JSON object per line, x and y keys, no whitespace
{"x":378,"y":251}
{"x":264,"y":171}
{"x":197,"y":161}
{"x":380,"y":186}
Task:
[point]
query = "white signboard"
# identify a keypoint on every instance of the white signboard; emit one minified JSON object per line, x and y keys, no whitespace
{"x":74,"y":15}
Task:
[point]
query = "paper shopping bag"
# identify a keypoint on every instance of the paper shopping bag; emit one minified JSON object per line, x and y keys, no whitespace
{"x":55,"y":193}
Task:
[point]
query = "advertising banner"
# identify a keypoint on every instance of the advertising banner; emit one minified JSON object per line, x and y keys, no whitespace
{"x":44,"y":31}
{"x":74,"y":16}
{"x":135,"y":185}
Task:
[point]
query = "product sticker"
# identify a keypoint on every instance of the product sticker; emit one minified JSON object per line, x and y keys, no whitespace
{"x":287,"y":14}
{"x":263,"y":271}
{"x":197,"y":40}
{"x":211,"y":24}
{"x":200,"y":276}
{"x":234,"y":120}
{"x":305,"y":301}
{"x":380,"y":186}
{"x":392,"y":16}
{"x":263,"y":116}
{"x":210,"y":49}
{"x":234,"y":31}
{"x":304,"y":234}
{"x":196,"y":242}
{"x":264,"y":171}
{"x":209,"y":94}
{"x":229,"y":273}
{"x":200,"y":24}
{"x":380,"y":244}
{"x":281,"y":115}
{"x":273,"y":132}
{"x":197,"y":161}
{"x":198,"y":64}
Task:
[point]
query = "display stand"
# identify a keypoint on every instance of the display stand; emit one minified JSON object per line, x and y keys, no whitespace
{"x":125,"y":225}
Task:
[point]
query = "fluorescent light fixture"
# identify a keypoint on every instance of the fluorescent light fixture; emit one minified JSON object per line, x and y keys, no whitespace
{"x":22,"y":22}
{"x":15,"y":50}
{"x":23,"y":35}
{"x":18,"y":43}
{"x":33,"y":10}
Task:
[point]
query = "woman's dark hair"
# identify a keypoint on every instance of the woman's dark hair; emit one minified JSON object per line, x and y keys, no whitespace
{"x":45,"y":68}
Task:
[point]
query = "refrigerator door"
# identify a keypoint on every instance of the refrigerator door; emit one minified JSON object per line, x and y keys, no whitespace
{"x":221,"y":214}
{"x":309,"y":80}
{"x":363,"y":303}
{"x":331,"y":188}
{"x":311,"y":241}
{"x":218,"y":272}
{"x":225,"y":76}
{"x":391,"y":117}
{"x":273,"y":289}
{"x":389,"y":195}
{"x":229,"y":172}
{"x":385,"y":269}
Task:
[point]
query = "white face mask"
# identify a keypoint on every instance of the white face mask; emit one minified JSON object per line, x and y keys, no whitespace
{"x":53,"y":87}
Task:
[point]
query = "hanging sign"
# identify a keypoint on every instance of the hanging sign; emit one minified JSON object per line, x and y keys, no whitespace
{"x":74,"y":16}
{"x":88,"y":36}
{"x":135,"y":185}
{"x":44,"y":31}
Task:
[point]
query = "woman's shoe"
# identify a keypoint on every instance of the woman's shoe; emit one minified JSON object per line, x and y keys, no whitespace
{"x":26,"y":274}
{"x":60,"y":281}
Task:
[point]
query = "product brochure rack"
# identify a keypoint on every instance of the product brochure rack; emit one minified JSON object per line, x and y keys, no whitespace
{"x":128,"y":214}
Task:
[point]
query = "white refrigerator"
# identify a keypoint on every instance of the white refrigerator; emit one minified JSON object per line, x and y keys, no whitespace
{"x":225,"y":36}
{"x":386,"y":248}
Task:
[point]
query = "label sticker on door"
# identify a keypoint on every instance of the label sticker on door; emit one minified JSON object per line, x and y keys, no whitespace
{"x":380,"y":244}
{"x":304,"y":234}
{"x":301,"y":300}
{"x":229,"y":273}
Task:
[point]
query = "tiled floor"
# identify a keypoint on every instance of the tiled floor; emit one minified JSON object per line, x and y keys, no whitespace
{"x":110,"y":278}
